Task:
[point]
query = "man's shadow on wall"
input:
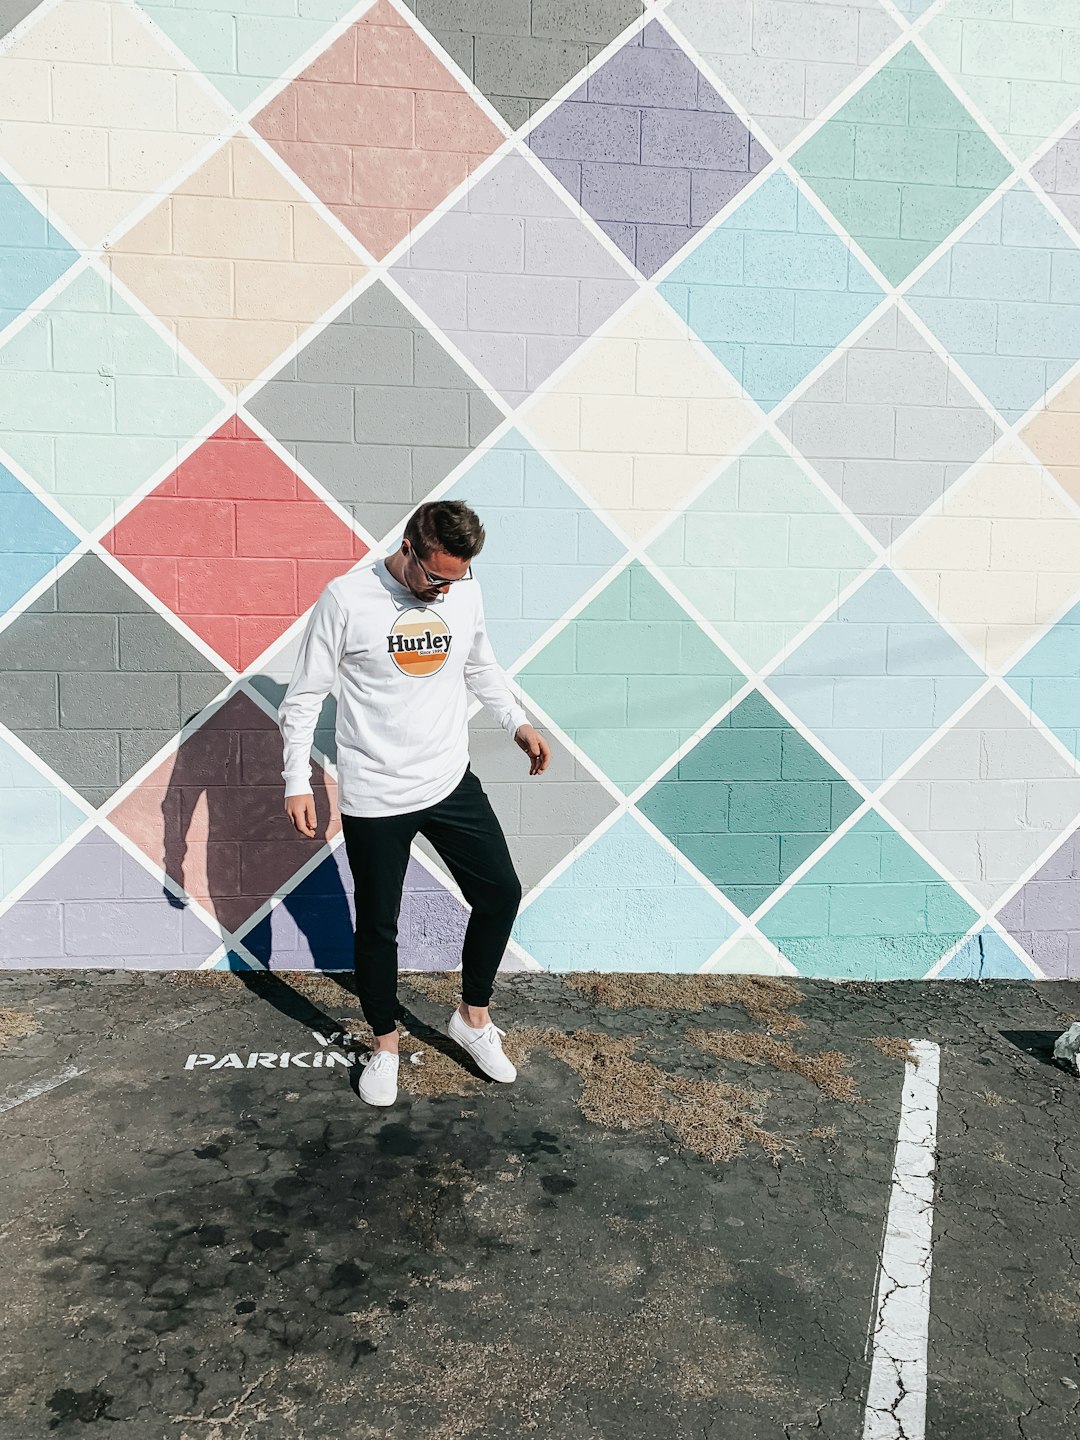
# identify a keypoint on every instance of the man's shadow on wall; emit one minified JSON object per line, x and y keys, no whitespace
{"x":226,"y":837}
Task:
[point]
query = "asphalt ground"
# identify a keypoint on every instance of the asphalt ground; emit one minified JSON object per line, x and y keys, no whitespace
{"x":669,"y":1225}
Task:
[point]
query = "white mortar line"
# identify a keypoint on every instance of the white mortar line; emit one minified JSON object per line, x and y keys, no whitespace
{"x":896,"y":1394}
{"x":42,"y":1087}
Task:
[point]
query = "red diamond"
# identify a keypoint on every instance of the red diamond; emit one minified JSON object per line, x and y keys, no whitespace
{"x":235,"y":544}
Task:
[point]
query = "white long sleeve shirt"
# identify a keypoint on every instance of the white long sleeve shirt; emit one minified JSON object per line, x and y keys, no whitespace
{"x":405,"y":666}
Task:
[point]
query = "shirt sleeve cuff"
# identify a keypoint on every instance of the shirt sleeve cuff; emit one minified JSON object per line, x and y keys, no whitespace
{"x":515,"y":720}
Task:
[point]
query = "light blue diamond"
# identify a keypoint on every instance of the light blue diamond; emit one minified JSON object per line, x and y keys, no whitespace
{"x":1004,"y":300}
{"x":544,"y":547}
{"x":32,"y":254}
{"x":985,"y":957}
{"x":772,"y":291}
{"x":624,"y":904}
{"x":1047,"y":679}
{"x":32,"y":540}
{"x":875,"y":681}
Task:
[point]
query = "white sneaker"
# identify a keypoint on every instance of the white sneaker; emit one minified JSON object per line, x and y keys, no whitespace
{"x":378,"y":1083}
{"x":483,"y":1045}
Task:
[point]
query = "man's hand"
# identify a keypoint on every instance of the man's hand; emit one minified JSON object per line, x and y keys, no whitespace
{"x":535,"y":746}
{"x":301,"y":811}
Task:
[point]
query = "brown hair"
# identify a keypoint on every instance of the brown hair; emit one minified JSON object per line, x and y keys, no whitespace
{"x":446,"y":525}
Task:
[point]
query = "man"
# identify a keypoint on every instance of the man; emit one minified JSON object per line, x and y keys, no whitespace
{"x":407,"y":636}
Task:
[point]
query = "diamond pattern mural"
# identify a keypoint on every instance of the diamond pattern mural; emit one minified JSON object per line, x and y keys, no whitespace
{"x":33,"y":255}
{"x":750,"y":802}
{"x":1004,"y":300}
{"x":230,"y":267}
{"x":96,"y":116}
{"x":95,"y":680}
{"x":772,"y":291}
{"x":207,"y":815}
{"x":375,"y":409}
{"x":513,"y":278}
{"x":654,"y":676}
{"x":889,"y":425}
{"x":94,"y":401}
{"x":749,"y":341}
{"x":519,"y":53}
{"x":785,"y":66}
{"x":1016,"y":62}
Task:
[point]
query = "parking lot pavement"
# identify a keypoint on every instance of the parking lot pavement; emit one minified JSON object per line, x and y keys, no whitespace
{"x":1005,"y":1314}
{"x":670,"y":1225}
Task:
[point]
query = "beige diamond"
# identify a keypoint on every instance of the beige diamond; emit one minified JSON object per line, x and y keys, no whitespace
{"x":96,"y":114}
{"x":236,"y":262}
{"x":1000,"y":558}
{"x":642,"y":417}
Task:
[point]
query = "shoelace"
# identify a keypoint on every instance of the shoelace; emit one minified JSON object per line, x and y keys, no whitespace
{"x":491,"y":1031}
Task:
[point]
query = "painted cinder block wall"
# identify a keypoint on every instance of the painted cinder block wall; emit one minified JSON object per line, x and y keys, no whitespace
{"x":752,"y":331}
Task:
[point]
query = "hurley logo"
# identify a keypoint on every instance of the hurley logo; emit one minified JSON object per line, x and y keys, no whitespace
{"x":419,"y":642}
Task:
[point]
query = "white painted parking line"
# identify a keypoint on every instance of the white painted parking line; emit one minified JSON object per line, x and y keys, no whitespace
{"x":41,"y":1088}
{"x":896,"y":1395}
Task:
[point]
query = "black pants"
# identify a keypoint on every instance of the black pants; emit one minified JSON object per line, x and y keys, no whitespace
{"x":465,"y":831}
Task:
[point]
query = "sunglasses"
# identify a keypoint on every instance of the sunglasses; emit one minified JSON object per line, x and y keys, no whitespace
{"x":438,"y":579}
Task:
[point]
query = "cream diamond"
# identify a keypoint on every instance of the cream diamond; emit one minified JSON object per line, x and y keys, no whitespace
{"x":236,"y":262}
{"x":97,"y":114}
{"x":642,"y":417}
{"x":999,"y":558}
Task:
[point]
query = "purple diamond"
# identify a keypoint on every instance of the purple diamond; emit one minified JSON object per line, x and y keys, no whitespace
{"x":1044,"y":915}
{"x":98,"y":908}
{"x":649,"y":148}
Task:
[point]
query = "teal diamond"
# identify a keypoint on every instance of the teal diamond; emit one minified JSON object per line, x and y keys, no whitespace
{"x":901,"y":165}
{"x":750,"y":802}
{"x":870,"y":908}
{"x":631,"y":678}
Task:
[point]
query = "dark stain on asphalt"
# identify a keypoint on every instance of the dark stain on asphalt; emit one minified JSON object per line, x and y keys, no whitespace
{"x":83,"y":1405}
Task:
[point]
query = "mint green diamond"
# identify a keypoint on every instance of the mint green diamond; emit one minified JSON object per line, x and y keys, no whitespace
{"x":901,"y":165}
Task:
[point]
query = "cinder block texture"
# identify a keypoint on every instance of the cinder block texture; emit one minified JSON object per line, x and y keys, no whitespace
{"x":375,"y":409}
{"x":96,"y":682}
{"x":378,"y":128}
{"x":235,"y":544}
{"x":519,"y":53}
{"x":649,"y":148}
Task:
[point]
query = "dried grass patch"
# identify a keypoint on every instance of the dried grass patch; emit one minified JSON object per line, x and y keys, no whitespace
{"x":710,"y":1117}
{"x":827,"y":1070}
{"x":895,"y":1047}
{"x":206,"y":979}
{"x":764,"y":998}
{"x":14,"y":1024}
